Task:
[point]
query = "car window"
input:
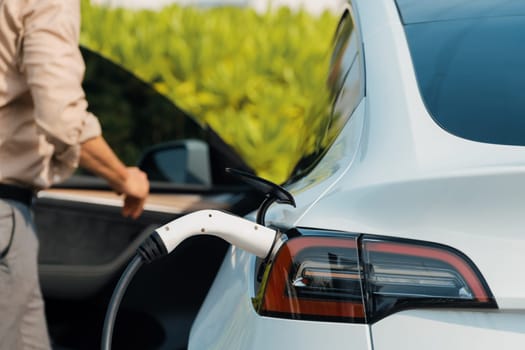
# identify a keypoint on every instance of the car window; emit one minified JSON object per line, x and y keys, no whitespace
{"x":133,"y":115}
{"x":346,"y":87}
{"x":344,"y":53}
{"x":352,"y":89}
{"x":471,"y":75}
{"x":135,"y":118}
{"x":419,"y":11}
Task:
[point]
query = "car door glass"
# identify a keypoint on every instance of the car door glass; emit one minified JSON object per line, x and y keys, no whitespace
{"x":133,"y":115}
{"x":135,"y":118}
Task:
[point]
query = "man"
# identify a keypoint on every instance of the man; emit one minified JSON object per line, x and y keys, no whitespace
{"x":45,"y":132}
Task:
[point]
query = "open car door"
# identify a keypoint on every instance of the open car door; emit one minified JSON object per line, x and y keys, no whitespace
{"x":85,"y":242}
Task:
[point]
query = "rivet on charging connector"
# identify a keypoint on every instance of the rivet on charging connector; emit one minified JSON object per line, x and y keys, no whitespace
{"x":256,"y":227}
{"x":202,"y":230}
{"x":167,"y":228}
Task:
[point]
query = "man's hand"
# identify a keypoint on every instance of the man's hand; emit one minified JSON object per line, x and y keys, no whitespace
{"x":135,"y":190}
{"x":97,"y":156}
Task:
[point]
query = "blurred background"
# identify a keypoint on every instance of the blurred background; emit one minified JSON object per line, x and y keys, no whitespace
{"x":312,"y":6}
{"x":254,"y":71}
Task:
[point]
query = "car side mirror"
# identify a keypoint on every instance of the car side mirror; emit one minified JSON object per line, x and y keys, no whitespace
{"x":178,"y":162}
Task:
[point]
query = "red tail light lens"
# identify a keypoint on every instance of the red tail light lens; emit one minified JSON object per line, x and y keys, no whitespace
{"x":316,"y":278}
{"x":361,"y":279}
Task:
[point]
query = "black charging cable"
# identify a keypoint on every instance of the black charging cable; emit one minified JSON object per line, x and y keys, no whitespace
{"x":150,"y":250}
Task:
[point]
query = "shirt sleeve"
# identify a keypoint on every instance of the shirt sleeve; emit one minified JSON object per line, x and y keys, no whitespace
{"x":54,"y":69}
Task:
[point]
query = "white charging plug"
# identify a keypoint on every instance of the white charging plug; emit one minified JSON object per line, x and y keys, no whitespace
{"x":242,"y":233}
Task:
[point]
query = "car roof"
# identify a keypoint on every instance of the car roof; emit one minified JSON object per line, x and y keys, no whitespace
{"x":420,"y":11}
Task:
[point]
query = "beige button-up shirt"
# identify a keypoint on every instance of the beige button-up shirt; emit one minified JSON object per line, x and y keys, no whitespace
{"x":43,"y":110}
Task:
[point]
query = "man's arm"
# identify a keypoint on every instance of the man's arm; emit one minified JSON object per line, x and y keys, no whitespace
{"x":53,"y":67}
{"x":97,"y":157}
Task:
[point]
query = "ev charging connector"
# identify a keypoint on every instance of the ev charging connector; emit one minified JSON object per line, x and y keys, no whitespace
{"x":247,"y":235}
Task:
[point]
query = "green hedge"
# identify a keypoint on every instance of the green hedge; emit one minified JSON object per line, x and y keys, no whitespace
{"x":258,"y":80}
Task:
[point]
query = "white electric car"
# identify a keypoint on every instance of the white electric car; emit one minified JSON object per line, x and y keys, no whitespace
{"x":409,"y":228}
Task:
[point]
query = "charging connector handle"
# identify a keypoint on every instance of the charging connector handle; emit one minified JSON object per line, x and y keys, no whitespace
{"x":245,"y":234}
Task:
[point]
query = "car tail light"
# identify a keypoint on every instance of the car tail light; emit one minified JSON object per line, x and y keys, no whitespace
{"x":361,"y":279}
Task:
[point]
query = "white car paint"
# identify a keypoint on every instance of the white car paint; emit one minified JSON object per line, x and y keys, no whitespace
{"x":436,"y":330}
{"x":393,"y":171}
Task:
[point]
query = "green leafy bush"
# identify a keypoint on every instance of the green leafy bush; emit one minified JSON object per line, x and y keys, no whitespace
{"x":258,"y":80}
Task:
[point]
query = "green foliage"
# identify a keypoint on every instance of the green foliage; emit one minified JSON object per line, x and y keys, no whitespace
{"x":258,"y":80}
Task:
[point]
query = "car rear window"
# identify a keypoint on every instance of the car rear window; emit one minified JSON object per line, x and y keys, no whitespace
{"x":417,"y":11}
{"x":470,"y":66}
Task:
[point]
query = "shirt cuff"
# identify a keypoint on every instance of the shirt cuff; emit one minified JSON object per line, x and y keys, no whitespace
{"x":91,"y":128}
{"x":66,"y":160}
{"x":63,"y":164}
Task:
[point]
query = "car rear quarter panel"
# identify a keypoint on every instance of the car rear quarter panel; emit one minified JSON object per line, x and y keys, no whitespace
{"x":432,"y":329}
